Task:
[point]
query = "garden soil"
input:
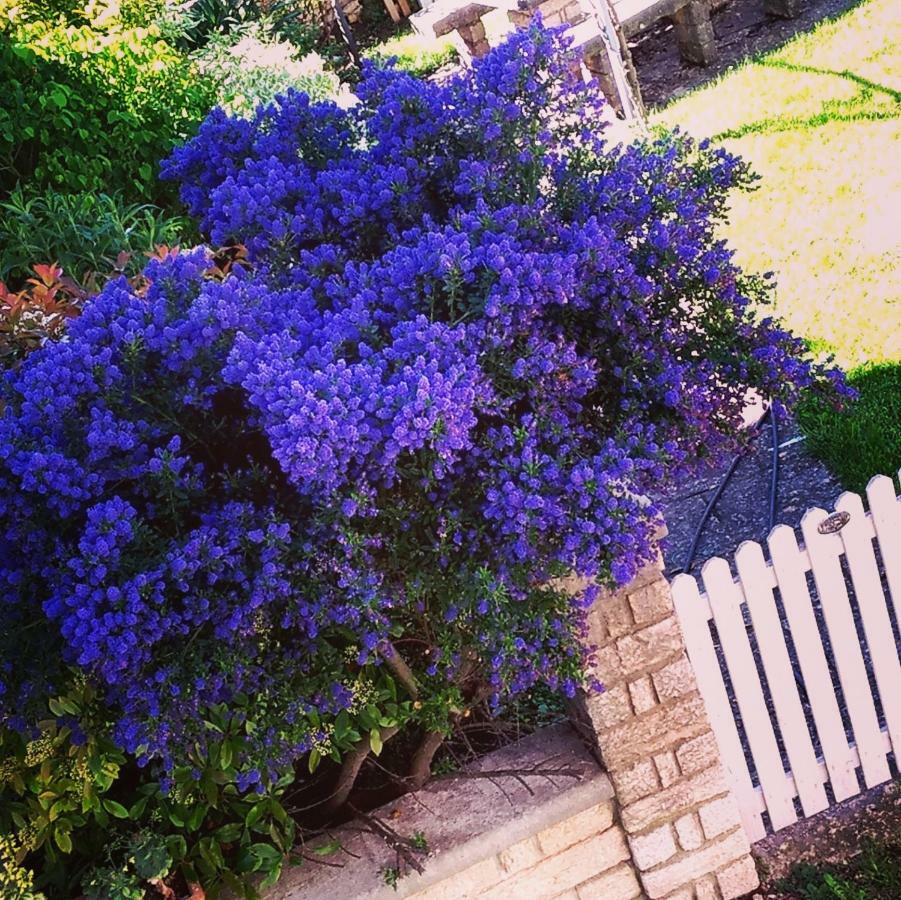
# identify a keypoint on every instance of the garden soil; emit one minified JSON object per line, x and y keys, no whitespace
{"x":742,"y":29}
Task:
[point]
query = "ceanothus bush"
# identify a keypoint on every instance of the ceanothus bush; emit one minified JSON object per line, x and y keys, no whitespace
{"x":470,"y":335}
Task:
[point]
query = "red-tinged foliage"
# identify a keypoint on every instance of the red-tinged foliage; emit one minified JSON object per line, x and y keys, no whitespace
{"x":38,"y":312}
{"x":41,"y":310}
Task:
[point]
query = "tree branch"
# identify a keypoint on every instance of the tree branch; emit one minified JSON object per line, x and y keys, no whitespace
{"x":350,"y":769}
{"x":393,"y":839}
{"x":421,"y":765}
{"x":398,"y":666}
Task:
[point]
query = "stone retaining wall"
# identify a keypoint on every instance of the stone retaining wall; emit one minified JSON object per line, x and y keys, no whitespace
{"x":651,"y":731}
{"x":494,"y":837}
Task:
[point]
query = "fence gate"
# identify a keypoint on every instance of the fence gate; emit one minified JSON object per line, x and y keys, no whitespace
{"x":797,"y":658}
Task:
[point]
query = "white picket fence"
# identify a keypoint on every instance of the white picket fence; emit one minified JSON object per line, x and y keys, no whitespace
{"x":796,"y":715}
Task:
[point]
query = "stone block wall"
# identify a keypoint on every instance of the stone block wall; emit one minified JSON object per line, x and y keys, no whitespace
{"x":553,"y":12}
{"x":492,"y":837}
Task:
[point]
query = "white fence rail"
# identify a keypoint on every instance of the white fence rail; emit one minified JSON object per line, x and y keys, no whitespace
{"x":797,"y":658}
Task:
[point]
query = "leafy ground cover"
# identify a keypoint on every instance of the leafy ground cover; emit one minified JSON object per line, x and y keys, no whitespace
{"x":98,"y":94}
{"x":874,"y":874}
{"x":817,"y":119}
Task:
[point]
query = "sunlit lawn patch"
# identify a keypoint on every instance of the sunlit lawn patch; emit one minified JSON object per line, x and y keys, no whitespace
{"x":819,"y":121}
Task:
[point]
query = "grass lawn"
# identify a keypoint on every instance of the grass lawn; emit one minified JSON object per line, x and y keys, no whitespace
{"x":414,"y":53}
{"x":820,"y":120}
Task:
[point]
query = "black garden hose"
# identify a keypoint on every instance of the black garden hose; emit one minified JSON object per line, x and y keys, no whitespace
{"x":772,"y":413}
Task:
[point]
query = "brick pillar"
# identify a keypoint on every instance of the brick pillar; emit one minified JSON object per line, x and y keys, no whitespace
{"x":651,"y":731}
{"x":694,"y":33}
{"x":474,"y":38}
{"x":598,"y":66}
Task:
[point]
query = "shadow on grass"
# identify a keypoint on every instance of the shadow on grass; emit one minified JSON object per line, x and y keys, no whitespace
{"x":838,"y":111}
{"x":864,"y":438}
{"x":865,"y":83}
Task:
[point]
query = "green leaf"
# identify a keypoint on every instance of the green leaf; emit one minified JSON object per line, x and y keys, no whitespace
{"x":177,"y":846}
{"x":278,"y":838}
{"x":115,"y":809}
{"x":196,"y":816}
{"x":314,"y":760}
{"x":70,"y":706}
{"x":255,"y":812}
{"x":209,"y":847}
{"x":375,"y":741}
{"x":266,"y":853}
{"x":229,"y":833}
{"x":209,"y":788}
{"x":278,"y":812}
{"x":63,"y":841}
{"x":273,"y":876}
{"x":233,"y":883}
{"x":327,"y":849}
{"x":342,"y":725}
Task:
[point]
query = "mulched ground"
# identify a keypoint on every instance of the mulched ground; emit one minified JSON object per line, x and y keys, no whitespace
{"x":742,"y":29}
{"x":874,"y":815}
{"x":742,"y":511}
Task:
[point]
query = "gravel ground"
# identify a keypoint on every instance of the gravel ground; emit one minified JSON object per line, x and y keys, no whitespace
{"x":742,"y":511}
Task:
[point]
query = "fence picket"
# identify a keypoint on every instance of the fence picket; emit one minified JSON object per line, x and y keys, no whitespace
{"x":824,"y":550}
{"x":886,"y":512}
{"x":725,"y":600}
{"x":790,"y":575}
{"x":699,"y":644}
{"x":873,"y":611}
{"x":753,"y":572}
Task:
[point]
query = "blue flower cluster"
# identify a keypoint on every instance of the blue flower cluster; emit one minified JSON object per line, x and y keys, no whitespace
{"x":470,"y":335}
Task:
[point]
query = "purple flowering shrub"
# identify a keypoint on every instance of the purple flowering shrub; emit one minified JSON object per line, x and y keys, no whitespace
{"x":332,"y":492}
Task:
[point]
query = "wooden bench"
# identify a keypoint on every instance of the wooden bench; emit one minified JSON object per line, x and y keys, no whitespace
{"x":691,"y":20}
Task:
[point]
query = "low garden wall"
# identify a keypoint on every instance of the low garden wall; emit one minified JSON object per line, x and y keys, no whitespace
{"x":490,"y":835}
{"x":633,"y":802}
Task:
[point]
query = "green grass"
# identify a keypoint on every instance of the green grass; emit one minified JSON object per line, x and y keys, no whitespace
{"x":820,"y":120}
{"x":866,"y":439}
{"x":875,"y":874}
{"x":415,"y":54}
